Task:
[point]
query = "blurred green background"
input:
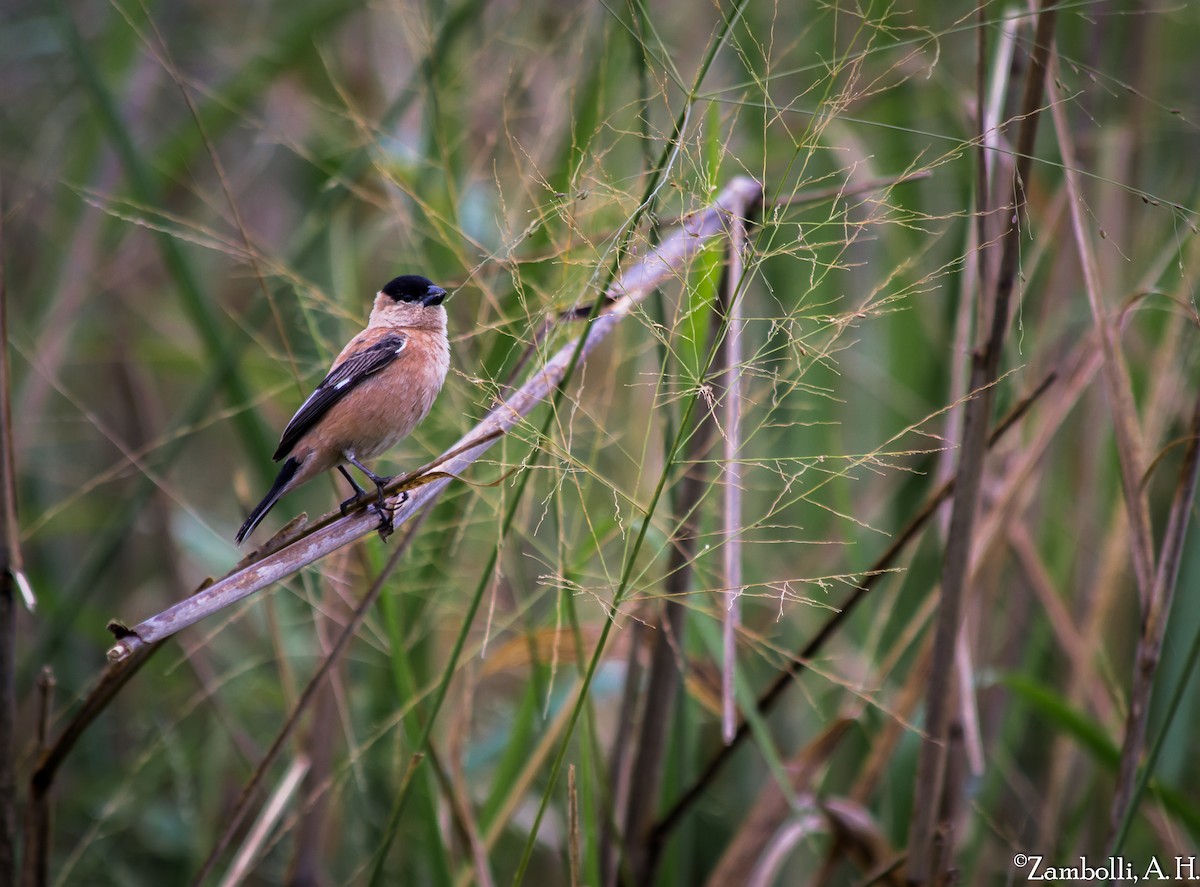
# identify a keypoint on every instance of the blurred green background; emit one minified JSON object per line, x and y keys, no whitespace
{"x":200,"y":200}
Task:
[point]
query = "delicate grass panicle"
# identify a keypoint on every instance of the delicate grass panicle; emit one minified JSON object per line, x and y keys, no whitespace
{"x":810,"y":500}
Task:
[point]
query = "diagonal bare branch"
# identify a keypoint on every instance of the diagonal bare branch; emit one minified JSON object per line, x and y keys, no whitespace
{"x":665,"y":262}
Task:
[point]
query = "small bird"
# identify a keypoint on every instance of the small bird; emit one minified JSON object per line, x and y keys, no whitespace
{"x":378,"y":390}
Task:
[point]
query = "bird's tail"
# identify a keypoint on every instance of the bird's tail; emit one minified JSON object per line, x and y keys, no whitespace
{"x":286,"y":473}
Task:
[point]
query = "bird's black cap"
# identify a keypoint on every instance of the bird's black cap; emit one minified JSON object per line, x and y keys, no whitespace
{"x":414,"y":288}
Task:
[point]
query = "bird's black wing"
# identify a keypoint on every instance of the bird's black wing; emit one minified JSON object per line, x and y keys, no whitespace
{"x":341,"y":380}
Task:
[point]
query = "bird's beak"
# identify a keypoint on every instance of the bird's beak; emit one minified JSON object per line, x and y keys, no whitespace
{"x":433,"y":296}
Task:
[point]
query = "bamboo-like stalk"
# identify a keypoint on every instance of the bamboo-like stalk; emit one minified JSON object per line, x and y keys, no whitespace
{"x":667,"y":261}
{"x":925,"y":862}
{"x":731,"y":478}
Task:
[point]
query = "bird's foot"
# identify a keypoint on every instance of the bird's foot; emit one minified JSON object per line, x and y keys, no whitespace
{"x":351,"y":502}
{"x":387,"y":515}
{"x":386,"y":512}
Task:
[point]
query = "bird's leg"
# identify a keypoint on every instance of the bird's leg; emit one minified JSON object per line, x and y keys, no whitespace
{"x":380,"y":482}
{"x":359,"y":492}
{"x":386,"y":514}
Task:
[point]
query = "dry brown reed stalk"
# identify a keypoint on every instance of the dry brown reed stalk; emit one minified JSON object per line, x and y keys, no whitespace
{"x":978,"y":276}
{"x":1117,"y":383}
{"x":574,"y":854}
{"x":929,"y":841}
{"x":270,"y":815}
{"x":622,"y":816}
